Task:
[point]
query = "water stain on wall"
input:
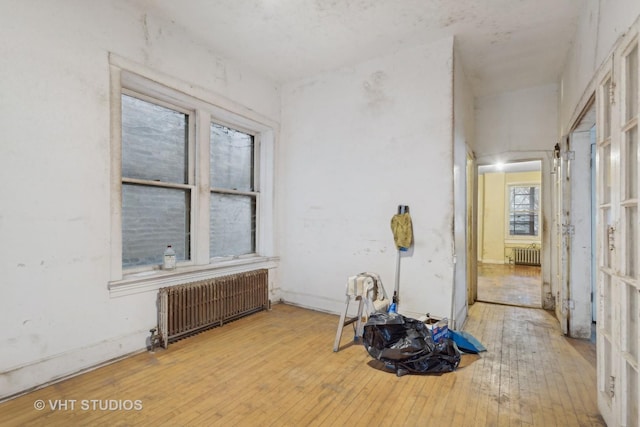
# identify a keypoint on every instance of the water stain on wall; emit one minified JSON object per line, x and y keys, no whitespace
{"x":375,"y":91}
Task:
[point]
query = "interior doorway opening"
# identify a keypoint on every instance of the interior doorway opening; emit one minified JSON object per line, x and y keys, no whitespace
{"x":510,"y":233}
{"x":578,"y":287}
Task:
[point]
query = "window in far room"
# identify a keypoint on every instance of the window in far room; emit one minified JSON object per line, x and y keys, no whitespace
{"x":524,"y":207}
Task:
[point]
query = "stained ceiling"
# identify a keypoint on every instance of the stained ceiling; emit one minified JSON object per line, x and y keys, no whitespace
{"x":503,"y":44}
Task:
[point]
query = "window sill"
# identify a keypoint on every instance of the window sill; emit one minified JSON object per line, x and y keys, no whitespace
{"x":150,"y":281}
{"x":523,"y":240}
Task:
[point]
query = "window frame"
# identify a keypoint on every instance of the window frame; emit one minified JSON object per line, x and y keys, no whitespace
{"x":204,"y":108}
{"x":511,"y":238}
{"x":256,"y":187}
{"x":191,"y":184}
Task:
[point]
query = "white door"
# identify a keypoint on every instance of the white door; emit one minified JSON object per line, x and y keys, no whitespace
{"x":562,"y":190}
{"x":617,"y":236}
{"x":578,"y":304}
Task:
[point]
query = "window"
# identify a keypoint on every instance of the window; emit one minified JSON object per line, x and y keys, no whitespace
{"x":233,"y":195}
{"x":156,"y":182}
{"x":187,"y":173}
{"x":524,"y":210}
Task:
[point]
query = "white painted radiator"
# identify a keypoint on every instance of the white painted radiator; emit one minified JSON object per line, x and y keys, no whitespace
{"x":526,"y":256}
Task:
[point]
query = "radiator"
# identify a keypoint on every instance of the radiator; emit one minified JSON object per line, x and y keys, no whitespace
{"x":187,"y":309}
{"x":526,"y":256}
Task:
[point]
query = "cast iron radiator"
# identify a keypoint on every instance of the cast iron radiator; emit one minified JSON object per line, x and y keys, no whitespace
{"x":526,"y":256}
{"x":187,"y":309}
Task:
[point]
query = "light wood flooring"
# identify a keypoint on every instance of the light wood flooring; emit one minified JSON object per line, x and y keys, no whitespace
{"x":277,"y":368}
{"x":510,"y":284}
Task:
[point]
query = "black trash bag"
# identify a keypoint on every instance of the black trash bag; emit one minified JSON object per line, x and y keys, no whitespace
{"x":407,"y":346}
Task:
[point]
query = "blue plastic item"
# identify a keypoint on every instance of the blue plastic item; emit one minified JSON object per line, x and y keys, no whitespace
{"x":466,"y":342}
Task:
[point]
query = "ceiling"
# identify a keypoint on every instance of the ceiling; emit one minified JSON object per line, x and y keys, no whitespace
{"x":503,"y":44}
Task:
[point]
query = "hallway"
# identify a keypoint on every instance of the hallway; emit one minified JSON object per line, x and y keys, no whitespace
{"x":508,"y":284}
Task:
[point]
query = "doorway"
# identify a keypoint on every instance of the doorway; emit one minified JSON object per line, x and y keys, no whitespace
{"x":510,"y":233}
{"x":577,"y":284}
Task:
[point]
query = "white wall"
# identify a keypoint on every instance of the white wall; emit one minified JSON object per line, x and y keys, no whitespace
{"x":356,"y":143}
{"x":463,"y":135}
{"x":522,"y":125}
{"x":601,"y":24}
{"x":56,"y":313}
{"x":516,"y":122}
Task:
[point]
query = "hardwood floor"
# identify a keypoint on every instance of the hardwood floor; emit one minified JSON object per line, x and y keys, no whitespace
{"x":277,"y":368}
{"x":510,"y":284}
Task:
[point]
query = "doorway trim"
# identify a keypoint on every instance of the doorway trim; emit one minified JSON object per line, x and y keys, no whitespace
{"x":546,"y":165}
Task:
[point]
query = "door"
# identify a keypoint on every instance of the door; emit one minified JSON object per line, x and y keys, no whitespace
{"x":579,"y":298}
{"x":562,"y":194}
{"x":617,"y":236}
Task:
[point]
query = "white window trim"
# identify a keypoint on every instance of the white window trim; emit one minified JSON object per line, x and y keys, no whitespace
{"x":208,"y":107}
{"x":507,"y":223}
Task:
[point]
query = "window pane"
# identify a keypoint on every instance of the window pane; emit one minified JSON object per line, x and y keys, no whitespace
{"x":233,"y":224}
{"x":524,"y":225}
{"x":153,"y":218}
{"x":605,"y":165}
{"x":154,"y":142}
{"x":631,"y":325}
{"x":631,"y":79}
{"x":607,"y":365}
{"x":631,"y":214}
{"x":607,"y":304}
{"x":231,"y":159}
{"x":607,"y":238}
{"x":523,"y":215}
{"x":632,"y":163}
{"x":606,"y":110}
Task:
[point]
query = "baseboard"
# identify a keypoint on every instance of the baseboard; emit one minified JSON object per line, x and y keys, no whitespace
{"x":332,"y":306}
{"x":315,"y":302}
{"x":492,"y":261}
{"x":50,"y":370}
